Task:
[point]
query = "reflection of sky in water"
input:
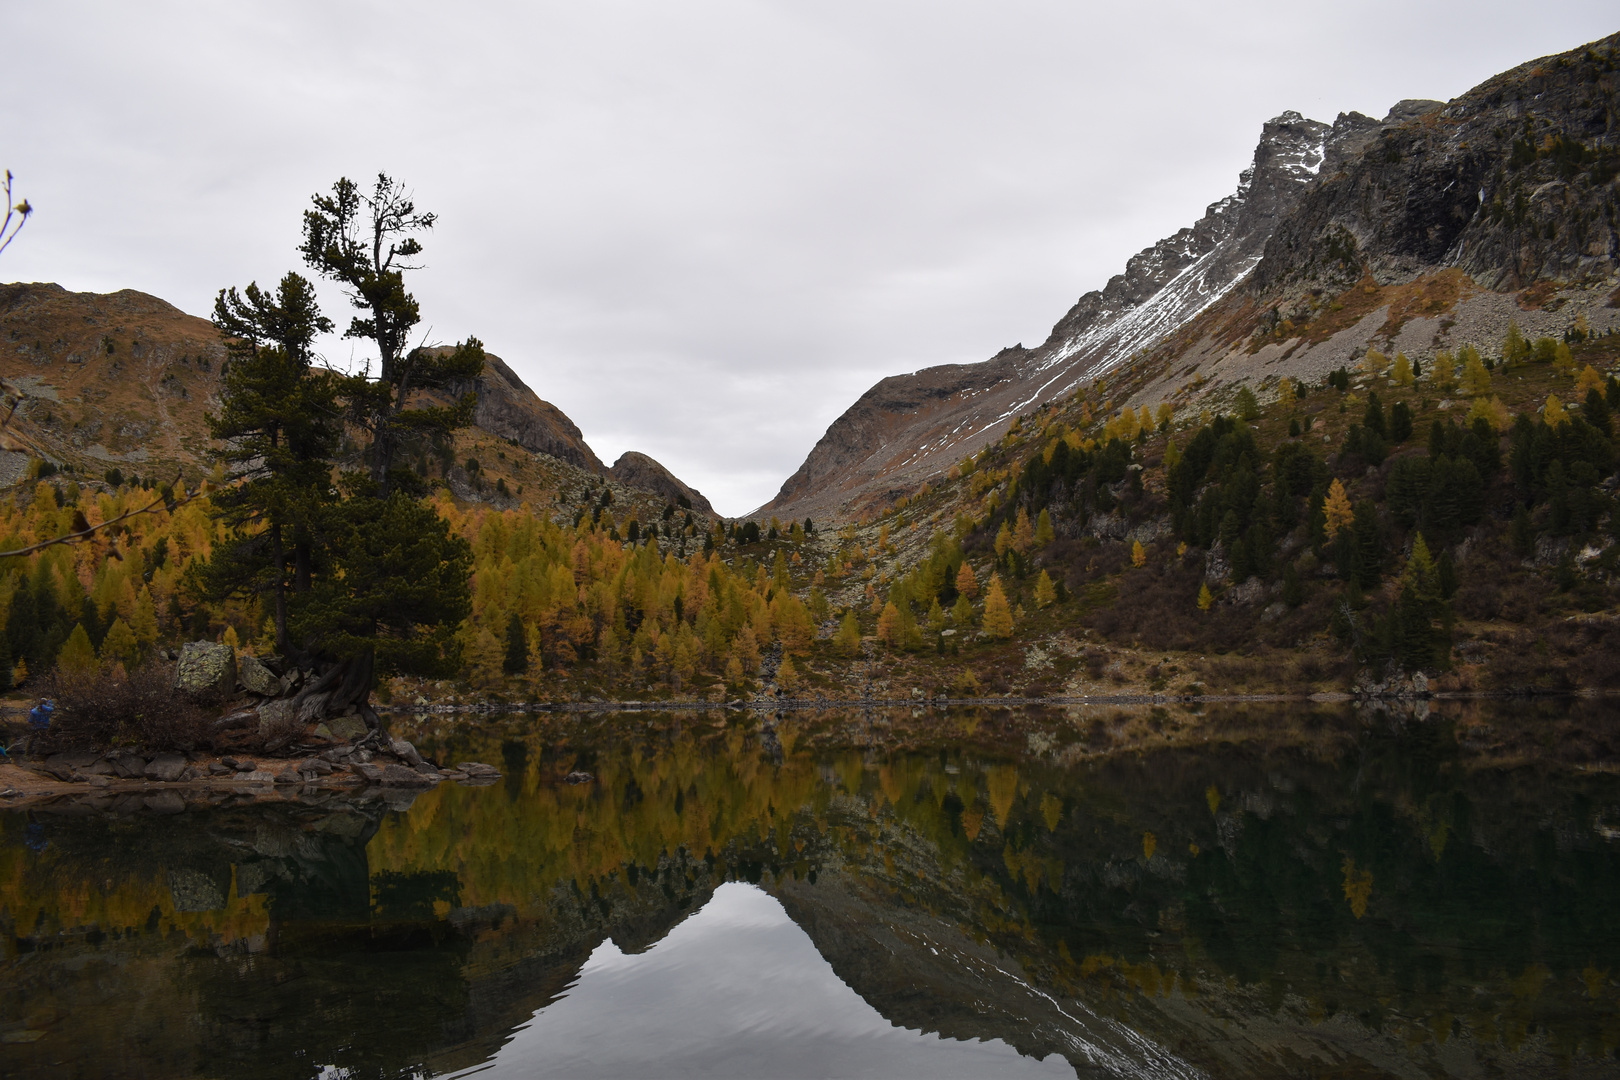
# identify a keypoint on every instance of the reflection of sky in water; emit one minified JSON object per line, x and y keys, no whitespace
{"x":736,"y":990}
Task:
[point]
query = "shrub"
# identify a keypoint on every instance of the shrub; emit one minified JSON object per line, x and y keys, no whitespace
{"x":107,"y":705}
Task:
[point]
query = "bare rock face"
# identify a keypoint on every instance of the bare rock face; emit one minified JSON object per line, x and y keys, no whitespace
{"x":1512,"y":182}
{"x":206,"y":668}
{"x":506,"y":407}
{"x":640,"y":471}
{"x":911,"y":428}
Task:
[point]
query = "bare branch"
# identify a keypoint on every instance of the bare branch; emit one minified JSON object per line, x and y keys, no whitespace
{"x":21,"y":211}
{"x":162,"y":501}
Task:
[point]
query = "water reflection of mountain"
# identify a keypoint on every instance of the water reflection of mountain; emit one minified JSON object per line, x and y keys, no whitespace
{"x":1338,"y":895}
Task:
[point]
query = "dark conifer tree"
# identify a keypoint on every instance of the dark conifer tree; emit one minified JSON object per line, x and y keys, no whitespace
{"x":517,"y":647}
{"x":280,"y":422}
{"x":366,"y":244}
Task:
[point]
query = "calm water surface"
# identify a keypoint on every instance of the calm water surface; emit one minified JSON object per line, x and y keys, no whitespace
{"x":1285,"y":893}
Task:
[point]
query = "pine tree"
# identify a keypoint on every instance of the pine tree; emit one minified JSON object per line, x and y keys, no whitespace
{"x":1138,"y":554}
{"x":1004,"y":540}
{"x":395,"y":590}
{"x":962,"y":612}
{"x":966,"y":582}
{"x":936,"y":616}
{"x":279,"y":423}
{"x":1336,"y":510}
{"x":1248,"y":406}
{"x":365,"y":243}
{"x":1045,"y":591}
{"x":998,"y":619}
{"x":516,"y":661}
{"x":1553,"y":413}
{"x":1206,"y":599}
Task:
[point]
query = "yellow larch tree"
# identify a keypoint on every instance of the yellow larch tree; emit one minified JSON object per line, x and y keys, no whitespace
{"x":967,"y":583}
{"x":1336,"y":510}
{"x":1043,"y":530}
{"x":1401,"y":373}
{"x":998,"y":618}
{"x":1023,"y":537}
{"x":1045,"y":591}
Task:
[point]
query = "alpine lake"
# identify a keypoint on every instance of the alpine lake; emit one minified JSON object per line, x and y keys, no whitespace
{"x":1221,"y":890}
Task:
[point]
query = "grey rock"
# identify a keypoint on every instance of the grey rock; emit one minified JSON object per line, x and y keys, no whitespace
{"x":64,"y":766}
{"x":257,"y":776}
{"x":406,"y":752}
{"x":220,"y":768}
{"x":347,"y":728}
{"x":166,"y":767}
{"x":206,"y":667}
{"x":315,"y":766}
{"x":477,"y":768}
{"x":400,"y":776}
{"x":371,"y":774}
{"x":256,"y":678}
{"x":129,"y":766}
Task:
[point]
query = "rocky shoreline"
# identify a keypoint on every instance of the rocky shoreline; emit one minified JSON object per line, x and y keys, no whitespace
{"x":378,"y":760}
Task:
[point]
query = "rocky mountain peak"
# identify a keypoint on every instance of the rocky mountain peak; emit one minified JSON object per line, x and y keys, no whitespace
{"x":910,"y":427}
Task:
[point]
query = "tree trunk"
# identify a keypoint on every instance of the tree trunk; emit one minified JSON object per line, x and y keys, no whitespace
{"x":345,"y":683}
{"x":281,"y":588}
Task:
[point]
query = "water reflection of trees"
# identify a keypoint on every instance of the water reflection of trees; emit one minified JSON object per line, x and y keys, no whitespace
{"x":1373,"y":878}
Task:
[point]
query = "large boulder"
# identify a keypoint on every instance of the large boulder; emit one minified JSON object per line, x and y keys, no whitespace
{"x":256,"y":678}
{"x":206,"y":668}
{"x":167,"y":767}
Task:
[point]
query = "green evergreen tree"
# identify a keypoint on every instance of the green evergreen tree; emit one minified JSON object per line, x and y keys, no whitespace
{"x":394,"y":593}
{"x":517,"y":647}
{"x":279,"y":422}
{"x":366,"y":244}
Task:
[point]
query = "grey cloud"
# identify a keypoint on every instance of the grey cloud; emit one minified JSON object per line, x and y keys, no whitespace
{"x":701,"y":229}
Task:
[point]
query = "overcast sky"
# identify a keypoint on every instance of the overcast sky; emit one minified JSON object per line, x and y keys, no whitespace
{"x":701,"y":229}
